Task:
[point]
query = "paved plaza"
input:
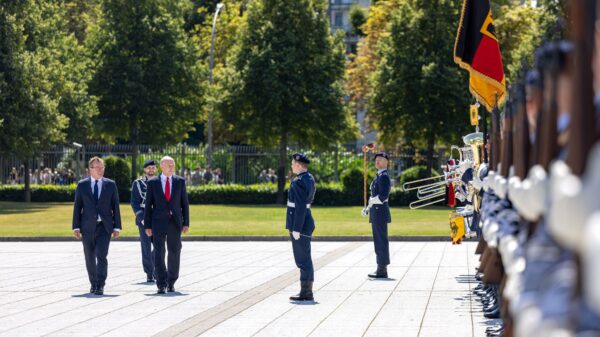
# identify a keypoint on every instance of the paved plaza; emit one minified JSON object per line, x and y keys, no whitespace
{"x":242,"y":289}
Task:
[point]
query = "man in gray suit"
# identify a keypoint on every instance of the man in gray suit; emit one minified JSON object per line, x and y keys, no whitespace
{"x":95,"y":217}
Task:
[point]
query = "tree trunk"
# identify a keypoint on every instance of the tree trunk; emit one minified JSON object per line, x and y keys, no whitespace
{"x":430,"y":144}
{"x":281,"y":176}
{"x":27,"y":182}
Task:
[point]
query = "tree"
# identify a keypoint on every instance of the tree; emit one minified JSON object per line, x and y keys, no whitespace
{"x":357,"y":19}
{"x":228,"y":24}
{"x":419,"y":94}
{"x":361,"y":67}
{"x":33,"y":42}
{"x":284,"y":82}
{"x":148,"y":78}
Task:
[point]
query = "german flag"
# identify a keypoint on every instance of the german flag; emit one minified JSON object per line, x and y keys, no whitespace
{"x":478,"y":51}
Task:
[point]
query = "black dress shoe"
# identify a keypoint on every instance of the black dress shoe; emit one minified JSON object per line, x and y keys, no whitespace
{"x":161,"y":290}
{"x":306,"y":293}
{"x":171,"y":289}
{"x":492,"y":314}
{"x":149,"y":278}
{"x":381,"y":272}
{"x":99,"y":291}
{"x":92,"y":289}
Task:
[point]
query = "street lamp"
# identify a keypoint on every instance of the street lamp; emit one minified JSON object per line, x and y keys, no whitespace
{"x":210,"y":80}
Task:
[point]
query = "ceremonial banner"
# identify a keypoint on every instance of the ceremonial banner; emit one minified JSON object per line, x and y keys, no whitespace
{"x":477,"y":50}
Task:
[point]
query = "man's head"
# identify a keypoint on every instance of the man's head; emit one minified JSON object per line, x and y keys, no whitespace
{"x":150,"y":168}
{"x":96,"y":166}
{"x":533,"y":97}
{"x":299,"y":163}
{"x":167,"y":166}
{"x":381,"y":160}
{"x":198,"y":168}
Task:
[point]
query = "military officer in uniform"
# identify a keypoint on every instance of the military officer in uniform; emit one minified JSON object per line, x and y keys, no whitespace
{"x":300,"y":223}
{"x":138,"y":200}
{"x":379,"y":214}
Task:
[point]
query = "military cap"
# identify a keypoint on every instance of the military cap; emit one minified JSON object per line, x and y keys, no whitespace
{"x":382,"y":154}
{"x":149,"y":162}
{"x":533,"y":78}
{"x":301,"y":157}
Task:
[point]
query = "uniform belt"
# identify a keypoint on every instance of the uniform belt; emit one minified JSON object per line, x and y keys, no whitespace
{"x":293,"y":205}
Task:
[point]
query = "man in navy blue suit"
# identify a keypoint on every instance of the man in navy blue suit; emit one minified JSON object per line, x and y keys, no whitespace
{"x":166,"y":216}
{"x":96,"y":216}
{"x":379,"y":214}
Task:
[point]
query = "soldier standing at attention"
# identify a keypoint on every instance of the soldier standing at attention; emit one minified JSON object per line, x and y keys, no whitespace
{"x":138,"y":203}
{"x":300,"y":223}
{"x":379,"y":214}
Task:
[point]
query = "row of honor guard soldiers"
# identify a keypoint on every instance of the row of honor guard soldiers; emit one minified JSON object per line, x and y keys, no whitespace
{"x":539,"y":268}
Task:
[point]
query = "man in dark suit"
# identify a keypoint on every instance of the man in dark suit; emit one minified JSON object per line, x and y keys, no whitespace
{"x":379,"y":214}
{"x":166,"y":216}
{"x":95,"y":216}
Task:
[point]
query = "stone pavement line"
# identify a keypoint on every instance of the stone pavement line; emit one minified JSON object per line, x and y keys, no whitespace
{"x":205,"y":320}
{"x":431,"y":291}
{"x":323,"y":286}
{"x":394,"y":290}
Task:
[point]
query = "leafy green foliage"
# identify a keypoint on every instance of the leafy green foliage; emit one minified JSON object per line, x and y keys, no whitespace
{"x":148,"y":79}
{"x":419,"y":94}
{"x":264,"y":194}
{"x":358,"y":18}
{"x":118,"y":170}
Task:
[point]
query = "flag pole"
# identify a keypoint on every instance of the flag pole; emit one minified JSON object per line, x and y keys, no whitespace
{"x":365,"y":149}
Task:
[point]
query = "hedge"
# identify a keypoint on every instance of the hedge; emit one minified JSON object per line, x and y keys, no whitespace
{"x":327,"y":194}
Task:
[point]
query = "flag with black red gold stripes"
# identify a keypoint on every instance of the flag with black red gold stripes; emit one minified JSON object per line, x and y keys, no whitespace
{"x":478,"y":51}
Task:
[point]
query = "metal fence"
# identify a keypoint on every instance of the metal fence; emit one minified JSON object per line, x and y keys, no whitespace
{"x":240,"y":164}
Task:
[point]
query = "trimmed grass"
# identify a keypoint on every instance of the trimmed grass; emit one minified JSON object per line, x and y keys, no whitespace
{"x":54,"y":219}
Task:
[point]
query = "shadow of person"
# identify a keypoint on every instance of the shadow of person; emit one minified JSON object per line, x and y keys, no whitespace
{"x":88,"y":295}
{"x":382,"y":279}
{"x":304,"y":302}
{"x":173,"y":294}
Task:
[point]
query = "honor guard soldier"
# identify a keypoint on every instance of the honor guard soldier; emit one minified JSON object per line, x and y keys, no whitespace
{"x":138,"y":200}
{"x":300,"y":223}
{"x":379,"y":214}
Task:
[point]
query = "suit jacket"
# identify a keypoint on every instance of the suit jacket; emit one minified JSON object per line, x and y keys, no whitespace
{"x":380,"y":187}
{"x":301,"y":193}
{"x":159,"y":212}
{"x":86,"y":209}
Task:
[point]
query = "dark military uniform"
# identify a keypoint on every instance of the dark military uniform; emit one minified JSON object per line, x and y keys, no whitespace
{"x":138,"y":199}
{"x":379,"y":217}
{"x":299,"y":219}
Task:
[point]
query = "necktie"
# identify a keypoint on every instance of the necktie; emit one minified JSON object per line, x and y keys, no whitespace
{"x":96,"y":191}
{"x":168,"y":190}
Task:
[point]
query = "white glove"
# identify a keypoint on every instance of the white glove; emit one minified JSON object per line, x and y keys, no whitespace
{"x":296,"y":235}
{"x":365,"y":211}
{"x":374,"y":201}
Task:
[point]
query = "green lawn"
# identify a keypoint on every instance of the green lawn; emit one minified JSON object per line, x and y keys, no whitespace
{"x":54,"y":219}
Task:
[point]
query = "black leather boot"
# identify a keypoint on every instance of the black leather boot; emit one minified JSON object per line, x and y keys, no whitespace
{"x":381,"y":272}
{"x":306,"y":293}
